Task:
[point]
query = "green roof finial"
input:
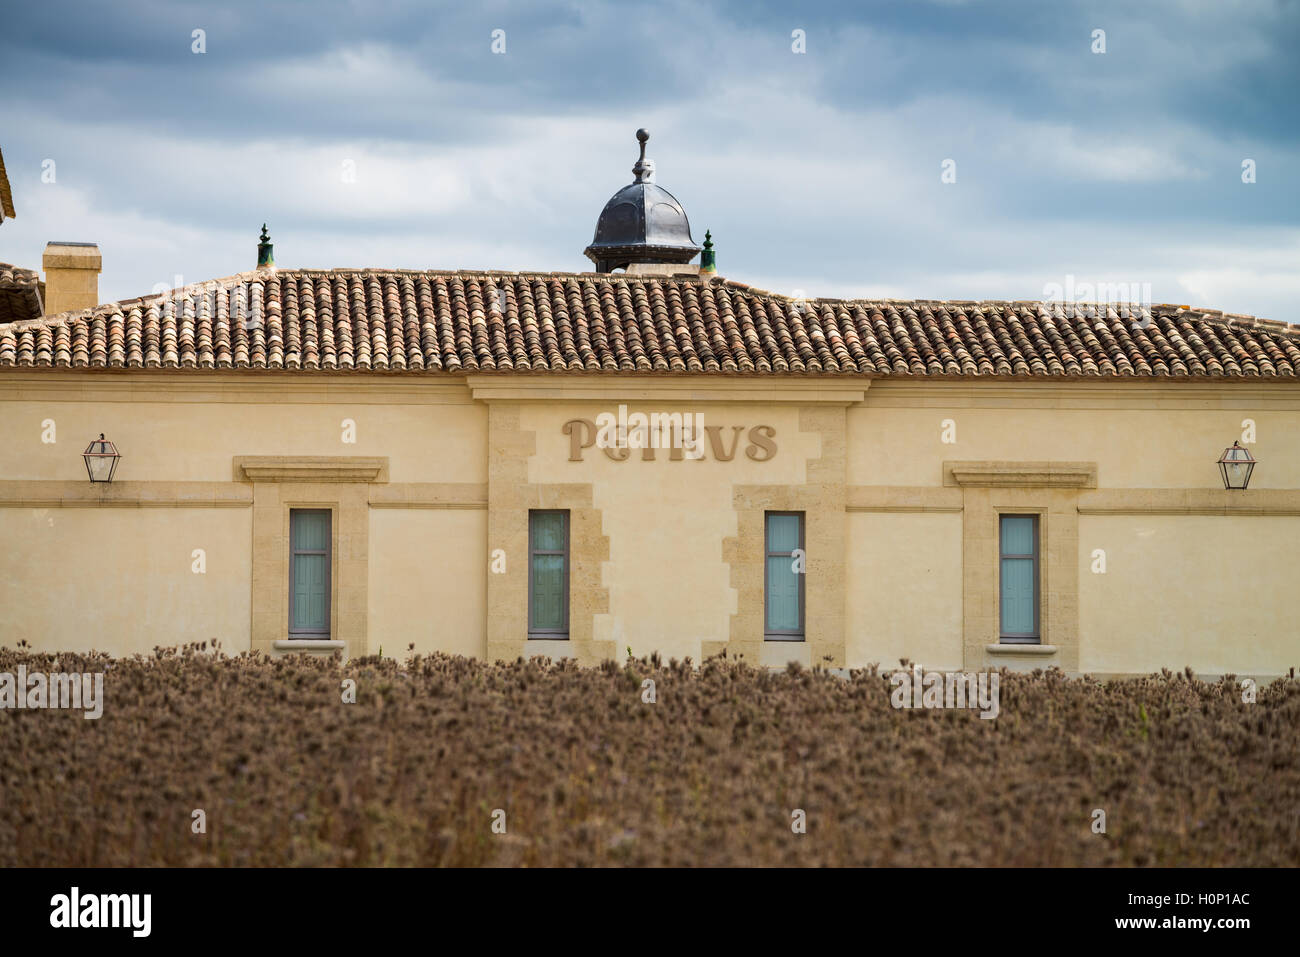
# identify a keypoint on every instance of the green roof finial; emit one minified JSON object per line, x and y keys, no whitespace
{"x":265,"y":251}
{"x":708,"y":259}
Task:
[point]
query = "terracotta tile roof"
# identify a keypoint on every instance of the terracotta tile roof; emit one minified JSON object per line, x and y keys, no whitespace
{"x":21,"y":294}
{"x":417,"y":321}
{"x":6,"y":195}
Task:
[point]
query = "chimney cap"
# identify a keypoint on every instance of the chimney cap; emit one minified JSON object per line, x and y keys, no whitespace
{"x":60,"y":255}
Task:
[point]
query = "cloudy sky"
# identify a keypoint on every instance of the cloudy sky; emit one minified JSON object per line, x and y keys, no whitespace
{"x":819,"y":171}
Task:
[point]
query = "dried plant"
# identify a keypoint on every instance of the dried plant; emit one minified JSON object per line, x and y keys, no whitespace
{"x":588,"y":774}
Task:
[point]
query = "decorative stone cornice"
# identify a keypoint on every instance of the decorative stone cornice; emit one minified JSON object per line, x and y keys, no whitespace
{"x":1140,"y":394}
{"x":454,"y":495}
{"x":1191,"y":501}
{"x":901,"y":498}
{"x":190,"y":387}
{"x":665,"y":388}
{"x":77,"y":493}
{"x":311,"y":468}
{"x":1020,"y":474}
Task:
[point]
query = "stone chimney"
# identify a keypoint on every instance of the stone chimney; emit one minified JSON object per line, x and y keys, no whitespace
{"x":71,"y":276}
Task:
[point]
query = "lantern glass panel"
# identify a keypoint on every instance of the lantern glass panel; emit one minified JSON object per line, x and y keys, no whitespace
{"x":101,"y":467}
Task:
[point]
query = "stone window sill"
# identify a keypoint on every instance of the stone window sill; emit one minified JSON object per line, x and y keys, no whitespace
{"x":310,"y":644}
{"x":1041,"y":651}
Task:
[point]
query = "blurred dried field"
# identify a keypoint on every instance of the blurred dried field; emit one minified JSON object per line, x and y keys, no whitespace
{"x":589,"y":775}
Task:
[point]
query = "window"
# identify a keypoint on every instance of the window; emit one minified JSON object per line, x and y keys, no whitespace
{"x":783,"y":578}
{"x":1018,"y":588}
{"x":548,"y":574}
{"x":309,"y":573}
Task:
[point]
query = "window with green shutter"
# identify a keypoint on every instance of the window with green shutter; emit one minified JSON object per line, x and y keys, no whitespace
{"x":1018,"y":579}
{"x":783,"y":579}
{"x":548,"y":574}
{"x":309,"y":572}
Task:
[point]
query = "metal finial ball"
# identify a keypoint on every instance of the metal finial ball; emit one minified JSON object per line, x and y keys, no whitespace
{"x":642,"y":135}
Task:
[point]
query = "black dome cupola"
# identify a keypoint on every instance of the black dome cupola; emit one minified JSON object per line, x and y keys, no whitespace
{"x":642,"y":223}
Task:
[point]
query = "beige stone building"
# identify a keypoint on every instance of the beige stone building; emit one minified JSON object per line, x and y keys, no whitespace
{"x":457,"y":461}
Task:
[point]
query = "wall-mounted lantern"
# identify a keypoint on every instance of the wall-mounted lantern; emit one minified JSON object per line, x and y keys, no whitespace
{"x":1235,"y":465}
{"x":101,"y":459}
